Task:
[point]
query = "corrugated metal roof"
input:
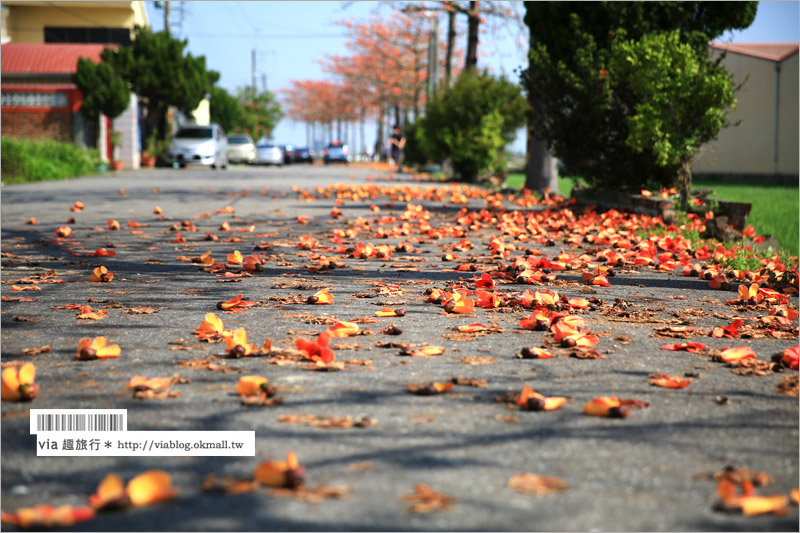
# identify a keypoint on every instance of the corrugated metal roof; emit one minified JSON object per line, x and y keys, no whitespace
{"x":768,"y":51}
{"x":47,"y":58}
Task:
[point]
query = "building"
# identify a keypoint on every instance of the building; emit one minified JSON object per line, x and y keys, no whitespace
{"x":42,"y":42}
{"x":765,"y":143}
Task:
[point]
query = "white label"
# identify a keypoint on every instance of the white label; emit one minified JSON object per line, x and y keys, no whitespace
{"x":147,"y":443}
{"x":80,"y":420}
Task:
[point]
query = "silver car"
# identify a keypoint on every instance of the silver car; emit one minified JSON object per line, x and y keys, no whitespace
{"x":269,"y":154}
{"x":241,"y":148}
{"x":199,"y":145}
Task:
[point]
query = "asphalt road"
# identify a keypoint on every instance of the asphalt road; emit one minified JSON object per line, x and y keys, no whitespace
{"x":647,"y":472}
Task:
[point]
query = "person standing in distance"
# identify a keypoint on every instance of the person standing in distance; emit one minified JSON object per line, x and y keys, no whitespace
{"x":396,"y":143}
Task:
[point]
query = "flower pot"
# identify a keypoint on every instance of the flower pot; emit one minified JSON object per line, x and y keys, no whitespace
{"x":115,"y":165}
{"x":148,"y":161}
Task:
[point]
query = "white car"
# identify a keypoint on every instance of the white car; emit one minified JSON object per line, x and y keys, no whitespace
{"x":269,"y":154}
{"x":241,"y":148}
{"x":199,"y":145}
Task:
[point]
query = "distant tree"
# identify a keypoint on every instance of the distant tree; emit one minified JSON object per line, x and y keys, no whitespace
{"x":262,"y":112}
{"x":682,"y":100}
{"x":472,"y":122}
{"x":226,"y":110}
{"x":104,"y":92}
{"x":577,"y":105}
{"x":158,"y":71}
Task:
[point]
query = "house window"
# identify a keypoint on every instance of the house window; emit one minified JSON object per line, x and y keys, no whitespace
{"x":53,"y":34}
{"x":11,"y":99}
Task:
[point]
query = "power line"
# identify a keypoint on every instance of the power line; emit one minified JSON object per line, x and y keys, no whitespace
{"x":268,"y":36}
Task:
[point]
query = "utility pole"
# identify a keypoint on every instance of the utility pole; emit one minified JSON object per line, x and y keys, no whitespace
{"x":253,"y":60}
{"x":433,"y":57}
{"x":167,"y":12}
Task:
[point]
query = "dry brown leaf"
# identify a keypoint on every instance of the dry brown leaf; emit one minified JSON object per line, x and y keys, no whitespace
{"x":535,"y":484}
{"x":140,"y":311}
{"x":150,"y":394}
{"x":314,"y":495}
{"x":260,"y":401}
{"x":36,"y":351}
{"x":475,"y":361}
{"x":469,"y":382}
{"x":328,"y":422}
{"x":789,"y":386}
{"x":207,"y":364}
{"x":366,"y":465}
{"x":426,"y":500}
{"x":228,"y":484}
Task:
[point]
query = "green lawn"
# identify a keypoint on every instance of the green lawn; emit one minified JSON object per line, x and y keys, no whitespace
{"x":775,"y":207}
{"x":774,"y":212}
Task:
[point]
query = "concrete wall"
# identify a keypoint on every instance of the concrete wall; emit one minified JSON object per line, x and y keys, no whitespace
{"x":788,"y":123}
{"x":129,"y":147}
{"x":749,"y":148}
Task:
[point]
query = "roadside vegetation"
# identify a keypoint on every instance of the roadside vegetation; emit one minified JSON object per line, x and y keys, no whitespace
{"x":27,"y":160}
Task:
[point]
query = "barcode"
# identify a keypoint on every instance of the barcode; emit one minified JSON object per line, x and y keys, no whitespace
{"x":99,"y":420}
{"x":79,"y":422}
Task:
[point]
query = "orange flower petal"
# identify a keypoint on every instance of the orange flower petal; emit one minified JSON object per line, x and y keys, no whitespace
{"x":669,"y":382}
{"x":757,"y":505}
{"x":250,"y":385}
{"x":733,"y":355}
{"x":151,"y":487}
{"x":110,"y":493}
{"x":343,"y":329}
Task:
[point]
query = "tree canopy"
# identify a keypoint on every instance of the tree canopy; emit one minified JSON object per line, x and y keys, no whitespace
{"x":161,"y":74}
{"x":104,"y":92}
{"x":581,"y":106}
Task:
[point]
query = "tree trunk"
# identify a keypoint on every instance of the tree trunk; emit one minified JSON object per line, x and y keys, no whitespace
{"x":685,"y":184}
{"x":472,"y":35}
{"x":541,"y":172}
{"x":451,"y":42}
{"x":380,"y":139}
{"x":363,"y":134}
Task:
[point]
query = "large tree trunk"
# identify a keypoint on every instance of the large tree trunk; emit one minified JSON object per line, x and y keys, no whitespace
{"x":379,"y":138}
{"x":451,"y":42}
{"x":685,"y":184}
{"x":472,"y":36}
{"x":541,"y":172}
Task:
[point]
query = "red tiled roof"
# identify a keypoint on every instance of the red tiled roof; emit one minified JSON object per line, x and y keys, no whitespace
{"x":47,"y":58}
{"x":768,"y":51}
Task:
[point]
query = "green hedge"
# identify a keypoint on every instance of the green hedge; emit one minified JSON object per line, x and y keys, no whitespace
{"x":24,"y":160}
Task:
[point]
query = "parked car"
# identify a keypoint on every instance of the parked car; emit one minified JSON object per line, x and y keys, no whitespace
{"x":303,"y":154}
{"x":288,"y":153}
{"x":241,"y":148}
{"x":269,"y":154}
{"x":200,"y":145}
{"x":336,"y":152}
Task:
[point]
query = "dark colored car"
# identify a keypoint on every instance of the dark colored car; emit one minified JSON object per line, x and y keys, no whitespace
{"x":288,"y":153}
{"x":303,"y":154}
{"x":336,"y":152}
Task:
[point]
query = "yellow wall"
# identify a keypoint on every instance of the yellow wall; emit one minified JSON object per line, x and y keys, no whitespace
{"x":749,"y":148}
{"x":26,"y":20}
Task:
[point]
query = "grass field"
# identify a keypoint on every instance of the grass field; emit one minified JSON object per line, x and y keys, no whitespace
{"x":774,"y":212}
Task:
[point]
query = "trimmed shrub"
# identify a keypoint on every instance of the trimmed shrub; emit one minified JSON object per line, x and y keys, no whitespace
{"x":472,"y":122}
{"x":25,"y":160}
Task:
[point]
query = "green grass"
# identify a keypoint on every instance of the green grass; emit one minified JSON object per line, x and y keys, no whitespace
{"x":26,"y":160}
{"x":774,"y":211}
{"x":517,"y":180}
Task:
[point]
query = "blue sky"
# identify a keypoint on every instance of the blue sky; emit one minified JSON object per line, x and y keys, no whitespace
{"x":290,"y":37}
